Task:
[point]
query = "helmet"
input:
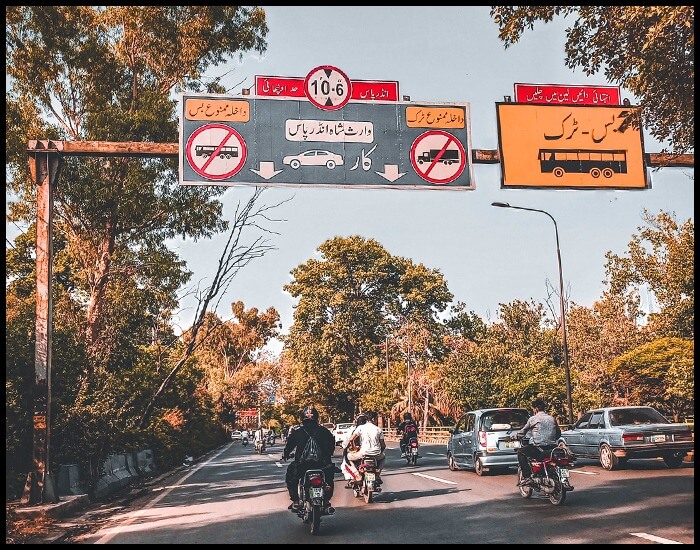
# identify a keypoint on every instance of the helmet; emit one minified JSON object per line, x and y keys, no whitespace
{"x":407,"y":416}
{"x":309,"y":413}
{"x":361,"y":418}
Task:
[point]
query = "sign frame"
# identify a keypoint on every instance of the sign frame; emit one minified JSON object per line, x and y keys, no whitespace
{"x":381,"y":160}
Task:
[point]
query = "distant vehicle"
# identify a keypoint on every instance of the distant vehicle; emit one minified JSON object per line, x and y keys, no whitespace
{"x":314,"y":157}
{"x":236,"y":435}
{"x":614,"y":435}
{"x":341,"y":432}
{"x":207,"y":150}
{"x":477,"y":441}
{"x":449,"y":156}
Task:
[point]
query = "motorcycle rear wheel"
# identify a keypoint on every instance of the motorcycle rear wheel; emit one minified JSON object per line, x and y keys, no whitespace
{"x":315,"y":523}
{"x":559,"y":495}
{"x":414,"y":459}
{"x":368,"y":495}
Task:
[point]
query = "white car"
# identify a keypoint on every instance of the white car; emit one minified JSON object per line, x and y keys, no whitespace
{"x":314,"y":157}
{"x":342,"y":431}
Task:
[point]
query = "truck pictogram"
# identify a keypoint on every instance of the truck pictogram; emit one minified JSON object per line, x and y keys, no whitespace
{"x":448,"y":157}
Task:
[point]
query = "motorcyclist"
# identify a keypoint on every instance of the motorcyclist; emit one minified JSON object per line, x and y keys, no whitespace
{"x":259,"y":436}
{"x":368,"y":438}
{"x":296,"y":441}
{"x":543,"y":431}
{"x":407,"y":429}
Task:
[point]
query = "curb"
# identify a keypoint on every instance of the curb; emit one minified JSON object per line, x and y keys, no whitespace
{"x":57,"y":510}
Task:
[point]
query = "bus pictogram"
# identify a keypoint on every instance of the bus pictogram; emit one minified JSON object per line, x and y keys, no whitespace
{"x":582,"y":161}
{"x":207,"y":150}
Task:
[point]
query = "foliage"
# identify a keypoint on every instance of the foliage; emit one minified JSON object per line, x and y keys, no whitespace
{"x":649,"y":50}
{"x":596,"y":336}
{"x":659,"y":373}
{"x":660,"y":256}
{"x":350,"y":300}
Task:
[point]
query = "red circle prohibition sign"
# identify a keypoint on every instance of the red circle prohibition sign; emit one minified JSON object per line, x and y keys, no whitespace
{"x":433,"y":154}
{"x":209,"y":154}
{"x":332,"y":87}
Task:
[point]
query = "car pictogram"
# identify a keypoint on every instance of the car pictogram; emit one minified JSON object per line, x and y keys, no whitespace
{"x":314,"y":157}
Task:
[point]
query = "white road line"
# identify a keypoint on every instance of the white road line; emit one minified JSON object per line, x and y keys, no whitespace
{"x":583,"y":472}
{"x":435,"y":478}
{"x":113,"y":532}
{"x":654,"y":538}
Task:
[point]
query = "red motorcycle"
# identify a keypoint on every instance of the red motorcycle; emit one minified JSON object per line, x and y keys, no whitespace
{"x":411,"y":451}
{"x":550,"y":476}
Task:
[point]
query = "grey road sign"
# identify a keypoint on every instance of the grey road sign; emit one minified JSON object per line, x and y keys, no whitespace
{"x":248,"y":140}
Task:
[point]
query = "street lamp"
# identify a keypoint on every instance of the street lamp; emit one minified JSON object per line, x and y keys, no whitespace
{"x":561,"y":304}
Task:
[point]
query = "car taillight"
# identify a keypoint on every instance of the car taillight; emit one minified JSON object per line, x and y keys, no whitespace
{"x":414,"y":444}
{"x":632,"y":437}
{"x":482,"y":439}
{"x":316,"y":481}
{"x":564,"y":462}
{"x":684,"y":436}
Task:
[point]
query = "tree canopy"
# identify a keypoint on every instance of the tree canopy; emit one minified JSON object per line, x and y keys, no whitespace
{"x":649,"y":50}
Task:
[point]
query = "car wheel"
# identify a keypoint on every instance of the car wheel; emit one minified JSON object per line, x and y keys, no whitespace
{"x":330,"y":164}
{"x":295,"y":164}
{"x":479,"y":467}
{"x":674,"y":460}
{"x":608,"y":460}
{"x":451,"y":463}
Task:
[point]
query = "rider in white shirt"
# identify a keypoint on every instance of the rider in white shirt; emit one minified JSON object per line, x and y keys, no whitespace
{"x":370,"y":440}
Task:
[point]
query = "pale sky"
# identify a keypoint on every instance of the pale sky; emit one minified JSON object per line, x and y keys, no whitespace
{"x":487,"y":255}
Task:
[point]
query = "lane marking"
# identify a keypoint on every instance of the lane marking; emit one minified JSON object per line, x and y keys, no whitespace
{"x":113,"y":532}
{"x":435,"y":478}
{"x":585,"y":473}
{"x":654,"y":538}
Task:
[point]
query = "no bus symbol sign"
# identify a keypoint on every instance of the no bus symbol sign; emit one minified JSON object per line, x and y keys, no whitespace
{"x":216,"y":151}
{"x":438,"y":157}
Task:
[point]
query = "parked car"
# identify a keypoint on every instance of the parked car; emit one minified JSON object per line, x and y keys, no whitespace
{"x":342,"y":431}
{"x":314,"y":157}
{"x":477,"y":443}
{"x":236,"y":435}
{"x":614,"y":435}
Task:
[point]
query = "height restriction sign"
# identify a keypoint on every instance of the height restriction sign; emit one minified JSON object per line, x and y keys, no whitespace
{"x":216,"y":151}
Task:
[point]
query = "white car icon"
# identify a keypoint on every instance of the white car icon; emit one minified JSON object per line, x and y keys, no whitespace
{"x":314,"y":157}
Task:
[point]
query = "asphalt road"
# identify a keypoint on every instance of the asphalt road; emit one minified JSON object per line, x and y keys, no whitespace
{"x":237,"y":496}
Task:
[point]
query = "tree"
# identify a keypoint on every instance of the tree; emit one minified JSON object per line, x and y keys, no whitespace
{"x":649,"y":50}
{"x":108,"y":73}
{"x":659,"y":373}
{"x":350,"y":300}
{"x":596,"y":336}
{"x":661,"y":257}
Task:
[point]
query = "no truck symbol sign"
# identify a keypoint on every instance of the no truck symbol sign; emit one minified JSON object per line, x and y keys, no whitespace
{"x":216,"y":151}
{"x":438,"y":157}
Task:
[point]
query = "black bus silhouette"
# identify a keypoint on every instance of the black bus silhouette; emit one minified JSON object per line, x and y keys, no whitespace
{"x":207,"y":150}
{"x":581,"y":161}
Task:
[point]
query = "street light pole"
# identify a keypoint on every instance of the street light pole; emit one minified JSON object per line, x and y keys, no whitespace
{"x":561,"y":304}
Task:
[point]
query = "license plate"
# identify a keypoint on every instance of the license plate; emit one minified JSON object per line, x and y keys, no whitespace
{"x":513,"y":444}
{"x":414,"y":451}
{"x":316,"y":492}
{"x":658,"y":438}
{"x":369,"y":476}
{"x":563,"y":474}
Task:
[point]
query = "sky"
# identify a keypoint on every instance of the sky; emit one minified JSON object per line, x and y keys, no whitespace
{"x":488,"y":256}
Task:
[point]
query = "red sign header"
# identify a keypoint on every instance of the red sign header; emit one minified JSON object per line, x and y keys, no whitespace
{"x":558,"y":94}
{"x":362,"y":90}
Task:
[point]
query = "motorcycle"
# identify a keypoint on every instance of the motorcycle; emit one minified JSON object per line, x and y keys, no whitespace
{"x":313,"y":490}
{"x":550,"y":476}
{"x":260,"y":446}
{"x":364,"y":483}
{"x":270,"y":439}
{"x":411,"y":451}
{"x":244,"y":441}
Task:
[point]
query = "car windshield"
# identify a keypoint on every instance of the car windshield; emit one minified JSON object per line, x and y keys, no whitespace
{"x":640,"y":415}
{"x":495,"y":420}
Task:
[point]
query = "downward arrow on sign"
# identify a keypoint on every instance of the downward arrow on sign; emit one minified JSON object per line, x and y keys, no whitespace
{"x":267,"y":170}
{"x":391,"y":172}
